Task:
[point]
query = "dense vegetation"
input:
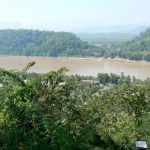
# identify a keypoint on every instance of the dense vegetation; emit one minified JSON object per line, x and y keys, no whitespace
{"x":140,"y":45}
{"x":41,"y":43}
{"x":44,"y":43}
{"x":55,"y":111}
{"x":136,"y":49}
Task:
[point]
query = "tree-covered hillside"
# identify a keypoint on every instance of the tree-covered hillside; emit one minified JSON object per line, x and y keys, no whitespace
{"x":139,"y":47}
{"x":140,"y":43}
{"x":46,"y":43}
{"x":41,"y":43}
{"x":136,"y":49}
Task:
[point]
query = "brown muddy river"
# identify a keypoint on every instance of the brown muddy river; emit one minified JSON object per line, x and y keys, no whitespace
{"x":86,"y":66}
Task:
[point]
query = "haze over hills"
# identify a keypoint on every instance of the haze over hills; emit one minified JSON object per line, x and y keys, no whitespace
{"x":10,"y":25}
{"x":110,"y":34}
{"x":118,"y":28}
{"x":134,"y":29}
{"x":106,"y":38}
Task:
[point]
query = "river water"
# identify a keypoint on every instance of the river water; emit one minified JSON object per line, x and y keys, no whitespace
{"x":81,"y":66}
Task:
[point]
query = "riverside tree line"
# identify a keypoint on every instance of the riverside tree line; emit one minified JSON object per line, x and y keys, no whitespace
{"x":49,"y":43}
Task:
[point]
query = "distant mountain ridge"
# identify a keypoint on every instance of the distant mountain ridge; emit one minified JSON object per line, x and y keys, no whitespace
{"x":106,"y":38}
{"x":134,"y":29}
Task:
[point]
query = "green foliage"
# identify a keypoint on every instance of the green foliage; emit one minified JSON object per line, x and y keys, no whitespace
{"x":140,"y":43}
{"x":55,"y":111}
{"x":114,"y":79}
{"x":121,"y":111}
{"x":138,"y":48}
{"x":45,"y":43}
{"x":41,"y":43}
{"x":44,"y":113}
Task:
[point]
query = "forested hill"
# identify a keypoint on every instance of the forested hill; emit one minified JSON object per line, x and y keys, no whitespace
{"x":139,"y":43}
{"x":46,"y":43}
{"x":41,"y":43}
{"x":137,"y":48}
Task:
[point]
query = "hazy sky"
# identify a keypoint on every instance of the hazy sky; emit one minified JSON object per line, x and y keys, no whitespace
{"x":73,"y":14}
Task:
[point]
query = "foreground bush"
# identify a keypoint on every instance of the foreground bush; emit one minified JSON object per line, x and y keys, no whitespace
{"x":54,"y":111}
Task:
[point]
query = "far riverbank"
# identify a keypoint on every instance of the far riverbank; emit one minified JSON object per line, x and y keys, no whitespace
{"x":83,"y":58}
